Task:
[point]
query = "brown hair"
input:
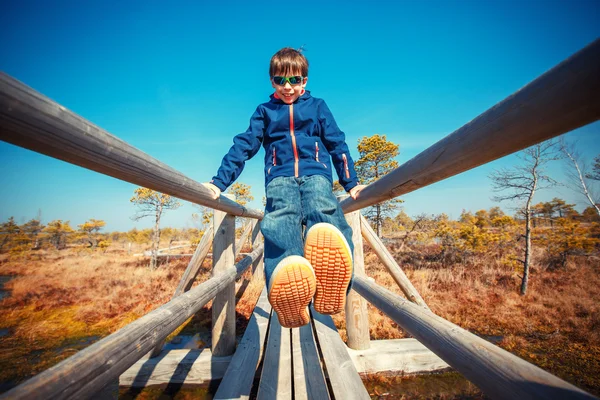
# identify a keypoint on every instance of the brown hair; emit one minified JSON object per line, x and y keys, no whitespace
{"x":288,"y":61}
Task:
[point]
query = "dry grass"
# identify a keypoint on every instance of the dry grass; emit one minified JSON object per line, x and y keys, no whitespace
{"x":555,"y":326}
{"x":60,"y":300}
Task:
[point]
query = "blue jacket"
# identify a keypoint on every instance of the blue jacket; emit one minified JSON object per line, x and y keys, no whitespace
{"x":300,"y":139}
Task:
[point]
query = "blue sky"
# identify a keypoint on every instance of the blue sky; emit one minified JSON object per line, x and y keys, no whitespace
{"x":178,"y":80}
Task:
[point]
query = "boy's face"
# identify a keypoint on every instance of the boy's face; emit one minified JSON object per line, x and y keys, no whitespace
{"x":287,"y":92}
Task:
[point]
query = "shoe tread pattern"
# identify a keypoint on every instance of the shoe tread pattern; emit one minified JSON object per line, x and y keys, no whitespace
{"x":292,"y":290}
{"x":330,"y":257}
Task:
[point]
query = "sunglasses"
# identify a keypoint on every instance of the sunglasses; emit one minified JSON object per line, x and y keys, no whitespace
{"x":293,"y":80}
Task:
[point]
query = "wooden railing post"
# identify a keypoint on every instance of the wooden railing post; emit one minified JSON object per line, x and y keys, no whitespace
{"x":223,"y":307}
{"x":357,"y":316}
{"x":257,"y":238}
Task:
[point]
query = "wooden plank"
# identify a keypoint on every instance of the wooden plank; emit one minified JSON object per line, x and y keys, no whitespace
{"x":498,"y":373}
{"x":357,"y":316}
{"x":176,"y":367}
{"x":190,"y":274}
{"x":343,"y":377}
{"x":239,"y":377}
{"x":276,"y":378}
{"x":388,"y":261}
{"x":223,"y":306}
{"x":400,"y":356}
{"x":309,"y":382}
{"x":30,"y":120}
{"x":91,"y":369}
{"x":564,"y":98}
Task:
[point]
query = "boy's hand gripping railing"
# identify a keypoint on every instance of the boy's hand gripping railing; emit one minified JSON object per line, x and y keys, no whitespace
{"x":33,"y":121}
{"x":564,"y":98}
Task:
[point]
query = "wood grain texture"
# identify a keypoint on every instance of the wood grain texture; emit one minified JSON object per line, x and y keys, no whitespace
{"x":223,"y":306}
{"x":309,"y":381}
{"x":243,"y":238}
{"x":357,"y":316}
{"x":239,"y":377}
{"x":343,"y":377}
{"x":388,"y":261}
{"x":190,"y":274}
{"x":401,"y":356}
{"x":192,"y":367}
{"x":276,"y":377}
{"x":498,"y":373}
{"x":564,"y":98}
{"x":30,"y":120}
{"x":83,"y":374}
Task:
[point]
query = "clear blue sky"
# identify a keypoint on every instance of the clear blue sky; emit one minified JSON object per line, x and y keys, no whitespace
{"x":179,"y":79}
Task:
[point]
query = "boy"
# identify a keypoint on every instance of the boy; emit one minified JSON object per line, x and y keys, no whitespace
{"x":300,"y":138}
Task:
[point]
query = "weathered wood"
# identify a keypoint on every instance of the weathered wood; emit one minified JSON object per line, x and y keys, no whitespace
{"x":192,"y":367}
{"x":276,"y":377}
{"x":33,"y":121}
{"x":223,"y":306}
{"x":309,"y":382}
{"x":498,"y":373}
{"x":190,"y":274}
{"x":91,"y":369}
{"x":343,"y":377}
{"x":242,"y":240}
{"x":357,"y":316}
{"x":564,"y":98}
{"x":238,"y":379}
{"x":388,"y":261}
{"x":257,"y":239}
{"x":398,"y":356}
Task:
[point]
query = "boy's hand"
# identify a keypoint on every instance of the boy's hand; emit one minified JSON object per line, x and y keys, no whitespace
{"x":355,"y":191}
{"x":216,"y":192}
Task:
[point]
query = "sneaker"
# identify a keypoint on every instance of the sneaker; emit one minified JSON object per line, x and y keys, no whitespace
{"x":291,"y":289}
{"x":328,"y":252}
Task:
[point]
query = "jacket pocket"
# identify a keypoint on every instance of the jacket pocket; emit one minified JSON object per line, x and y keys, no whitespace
{"x":317,"y":154}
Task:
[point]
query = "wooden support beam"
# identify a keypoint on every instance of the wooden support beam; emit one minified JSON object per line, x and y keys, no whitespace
{"x":564,"y":98}
{"x":257,"y":239}
{"x":223,"y":306}
{"x":31,"y":120}
{"x":276,"y":378}
{"x":397,"y":356}
{"x":341,"y":372}
{"x":388,"y":261}
{"x":184,"y":367}
{"x":190,"y":274}
{"x":498,"y":373}
{"x":357,"y":315}
{"x":309,"y":381}
{"x":242,"y":240}
{"x":239,"y":377}
{"x":83,"y":374}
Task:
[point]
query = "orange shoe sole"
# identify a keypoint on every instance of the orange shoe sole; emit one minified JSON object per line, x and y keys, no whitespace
{"x":292,"y":287}
{"x":329,"y":254}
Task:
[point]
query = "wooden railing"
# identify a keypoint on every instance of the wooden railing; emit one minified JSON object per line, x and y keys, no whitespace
{"x":564,"y":98}
{"x":33,"y":121}
{"x":85,"y":373}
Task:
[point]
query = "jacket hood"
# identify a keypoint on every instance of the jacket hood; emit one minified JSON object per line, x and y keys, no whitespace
{"x":277,"y":100}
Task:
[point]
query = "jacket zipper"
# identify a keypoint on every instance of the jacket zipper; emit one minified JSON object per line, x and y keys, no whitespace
{"x":296,"y":174}
{"x":317,"y":154}
{"x":346,"y":166}
{"x":274,"y":161}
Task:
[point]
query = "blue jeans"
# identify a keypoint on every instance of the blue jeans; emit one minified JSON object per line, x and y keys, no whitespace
{"x":291,"y":204}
